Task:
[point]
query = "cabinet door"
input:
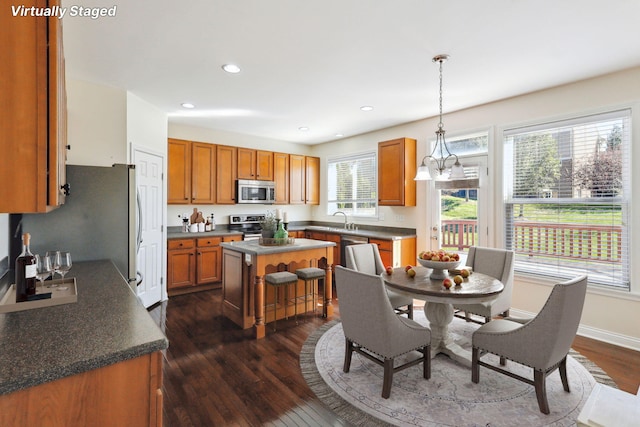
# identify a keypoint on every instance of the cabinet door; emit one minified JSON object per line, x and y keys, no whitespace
{"x":396,"y":170}
{"x":297,"y":178}
{"x":264,"y":165}
{"x":209,"y":268}
{"x":179,"y":171}
{"x":281,"y":177}
{"x":203,"y":167}
{"x":246,"y":163}
{"x":312,"y":166}
{"x":57,"y":115}
{"x":181,"y":268}
{"x":334,"y":237}
{"x":226,"y":173}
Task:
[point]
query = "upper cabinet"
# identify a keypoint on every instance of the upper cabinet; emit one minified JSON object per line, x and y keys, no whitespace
{"x":226,"y":174}
{"x":312,"y":185}
{"x":33,"y":117}
{"x":396,"y":170}
{"x":281,"y":177}
{"x":297,"y":177}
{"x":191,"y":168}
{"x":255,"y":164}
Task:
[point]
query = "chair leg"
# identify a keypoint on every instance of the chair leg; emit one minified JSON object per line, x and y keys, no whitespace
{"x":426,"y":363}
{"x":541,"y":390}
{"x":410,"y":313}
{"x":348,"y":351}
{"x":562,"y":368}
{"x":388,"y":378}
{"x":503,"y":361}
{"x":475,"y":368}
{"x":467,"y":316}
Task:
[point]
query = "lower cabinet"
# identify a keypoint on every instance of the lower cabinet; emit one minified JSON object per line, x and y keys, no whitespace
{"x":127,"y":393}
{"x":396,"y":253}
{"x":195,"y":264}
{"x":327,"y":237}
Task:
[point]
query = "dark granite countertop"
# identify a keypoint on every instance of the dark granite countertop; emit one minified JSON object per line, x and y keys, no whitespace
{"x":177,"y":233}
{"x":106,"y":325}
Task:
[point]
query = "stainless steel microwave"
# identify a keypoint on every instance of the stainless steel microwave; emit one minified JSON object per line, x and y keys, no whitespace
{"x":250,"y":191}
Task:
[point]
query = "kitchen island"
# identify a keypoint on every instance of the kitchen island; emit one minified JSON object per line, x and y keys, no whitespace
{"x":244,"y":265}
{"x":97,"y":361}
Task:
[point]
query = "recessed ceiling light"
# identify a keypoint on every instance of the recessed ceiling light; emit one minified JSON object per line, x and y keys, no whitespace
{"x":187,"y":105}
{"x":366,"y":108}
{"x":303,"y":129}
{"x":339,"y":135}
{"x":231,"y":68}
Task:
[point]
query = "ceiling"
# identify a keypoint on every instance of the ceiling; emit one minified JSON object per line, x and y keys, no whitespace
{"x":314,"y":63}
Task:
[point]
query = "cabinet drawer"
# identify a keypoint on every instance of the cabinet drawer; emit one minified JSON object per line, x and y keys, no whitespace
{"x":234,"y":238}
{"x":383,"y":245}
{"x":204,"y":242}
{"x":180,"y":244}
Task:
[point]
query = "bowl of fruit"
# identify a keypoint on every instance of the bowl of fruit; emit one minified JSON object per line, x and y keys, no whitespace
{"x":438,"y":261}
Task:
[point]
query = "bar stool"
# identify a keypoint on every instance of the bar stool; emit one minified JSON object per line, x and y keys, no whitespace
{"x":311,"y":274}
{"x":281,"y":278}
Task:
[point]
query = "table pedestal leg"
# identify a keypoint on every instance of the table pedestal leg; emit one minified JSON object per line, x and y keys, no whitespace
{"x":442,"y":341}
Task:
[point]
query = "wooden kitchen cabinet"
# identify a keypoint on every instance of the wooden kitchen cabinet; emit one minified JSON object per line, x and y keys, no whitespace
{"x":312,"y":182}
{"x":208,"y":258}
{"x":226,"y":174}
{"x":327,"y":237}
{"x":281,"y":177}
{"x":297,"y":178}
{"x":181,"y":264}
{"x":33,"y":118}
{"x":396,"y":170}
{"x":125,"y":393}
{"x":396,"y":253}
{"x":191,"y":169}
{"x":255,"y":164}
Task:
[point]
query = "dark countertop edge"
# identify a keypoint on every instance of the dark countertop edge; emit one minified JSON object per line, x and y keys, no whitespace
{"x":38,"y":377}
{"x":266,"y":250}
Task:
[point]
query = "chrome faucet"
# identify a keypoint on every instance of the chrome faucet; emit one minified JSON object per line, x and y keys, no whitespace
{"x":345,"y":217}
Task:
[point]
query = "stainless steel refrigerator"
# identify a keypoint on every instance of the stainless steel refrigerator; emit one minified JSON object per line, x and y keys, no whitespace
{"x":98,"y":220}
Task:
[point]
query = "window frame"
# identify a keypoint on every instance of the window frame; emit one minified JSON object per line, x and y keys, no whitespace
{"x":372,"y":156}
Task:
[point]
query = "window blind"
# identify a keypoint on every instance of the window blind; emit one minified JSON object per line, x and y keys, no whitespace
{"x":353,"y":185}
{"x":567,"y":191}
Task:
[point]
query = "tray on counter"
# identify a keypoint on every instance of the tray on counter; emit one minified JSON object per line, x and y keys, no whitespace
{"x":66,"y":292}
{"x":270,"y":241}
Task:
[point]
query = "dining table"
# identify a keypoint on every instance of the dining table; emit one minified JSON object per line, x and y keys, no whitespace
{"x":439,"y":302}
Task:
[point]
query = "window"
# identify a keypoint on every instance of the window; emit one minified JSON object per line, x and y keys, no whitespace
{"x":567,"y":198}
{"x":353,"y":185}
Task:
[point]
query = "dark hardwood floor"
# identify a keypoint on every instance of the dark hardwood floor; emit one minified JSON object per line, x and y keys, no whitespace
{"x":216,"y":374}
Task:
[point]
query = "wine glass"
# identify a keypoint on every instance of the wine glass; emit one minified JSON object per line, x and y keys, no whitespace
{"x":53,"y":260}
{"x":63,"y":263}
{"x":43,"y":268}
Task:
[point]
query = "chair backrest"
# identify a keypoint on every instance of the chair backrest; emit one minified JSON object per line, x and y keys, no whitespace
{"x":365,"y":311}
{"x":364,"y":258}
{"x":497,"y":263}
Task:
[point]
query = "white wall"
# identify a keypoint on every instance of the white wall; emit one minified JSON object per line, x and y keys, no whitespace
{"x":146,"y":126}
{"x":610,"y":316}
{"x":97,"y":129}
{"x":222,"y":212}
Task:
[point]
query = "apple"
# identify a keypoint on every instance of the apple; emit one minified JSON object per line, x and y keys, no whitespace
{"x":408,"y":267}
{"x":421,"y":254}
{"x":411,"y":272}
{"x":447,"y":283}
{"x":464,"y":273}
{"x":435,"y":258}
{"x":458,"y":279}
{"x":455,"y":257}
{"x":389,"y":270}
{"x":446,"y":258}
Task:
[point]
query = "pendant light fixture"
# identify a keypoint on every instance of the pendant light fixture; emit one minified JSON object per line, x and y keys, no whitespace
{"x":440,"y":148}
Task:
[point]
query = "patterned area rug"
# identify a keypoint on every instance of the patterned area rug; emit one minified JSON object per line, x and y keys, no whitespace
{"x":449,"y":398}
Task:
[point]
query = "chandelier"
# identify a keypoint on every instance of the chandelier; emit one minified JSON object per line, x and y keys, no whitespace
{"x":440,"y":148}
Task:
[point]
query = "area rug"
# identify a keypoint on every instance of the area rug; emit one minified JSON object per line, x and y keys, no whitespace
{"x":449,"y":398}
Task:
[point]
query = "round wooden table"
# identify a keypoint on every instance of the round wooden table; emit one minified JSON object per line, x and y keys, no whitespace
{"x":476,"y":288}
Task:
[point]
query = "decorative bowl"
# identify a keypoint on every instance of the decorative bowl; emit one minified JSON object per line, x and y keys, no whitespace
{"x":438,"y":267}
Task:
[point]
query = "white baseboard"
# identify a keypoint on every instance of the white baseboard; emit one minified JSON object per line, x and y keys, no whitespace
{"x":594,"y":333}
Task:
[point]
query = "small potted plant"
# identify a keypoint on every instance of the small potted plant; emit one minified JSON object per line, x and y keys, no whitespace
{"x":269,"y":224}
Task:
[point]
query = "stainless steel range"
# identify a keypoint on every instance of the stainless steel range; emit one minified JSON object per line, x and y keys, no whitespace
{"x":248,"y":224}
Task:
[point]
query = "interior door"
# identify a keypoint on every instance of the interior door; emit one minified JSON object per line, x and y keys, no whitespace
{"x":149,"y":167}
{"x":459,"y":215}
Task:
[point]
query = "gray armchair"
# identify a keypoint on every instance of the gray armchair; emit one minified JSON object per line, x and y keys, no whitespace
{"x":366,"y":259}
{"x":497,"y":263}
{"x":372,"y":328}
{"x":541,"y":343}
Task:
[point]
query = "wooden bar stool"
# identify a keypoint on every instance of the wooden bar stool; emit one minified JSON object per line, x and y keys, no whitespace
{"x":309,"y":275}
{"x":281,"y":278}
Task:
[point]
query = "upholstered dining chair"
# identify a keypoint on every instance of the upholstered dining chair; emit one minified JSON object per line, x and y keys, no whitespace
{"x":365,"y":258}
{"x":497,"y":263}
{"x":372,"y":328}
{"x":541,"y":343}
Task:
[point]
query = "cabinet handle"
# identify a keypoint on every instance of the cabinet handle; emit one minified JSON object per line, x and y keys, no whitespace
{"x":180,"y":244}
{"x":68,"y":147}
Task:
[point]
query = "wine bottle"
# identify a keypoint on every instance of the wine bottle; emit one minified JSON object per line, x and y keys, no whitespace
{"x":26,"y":270}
